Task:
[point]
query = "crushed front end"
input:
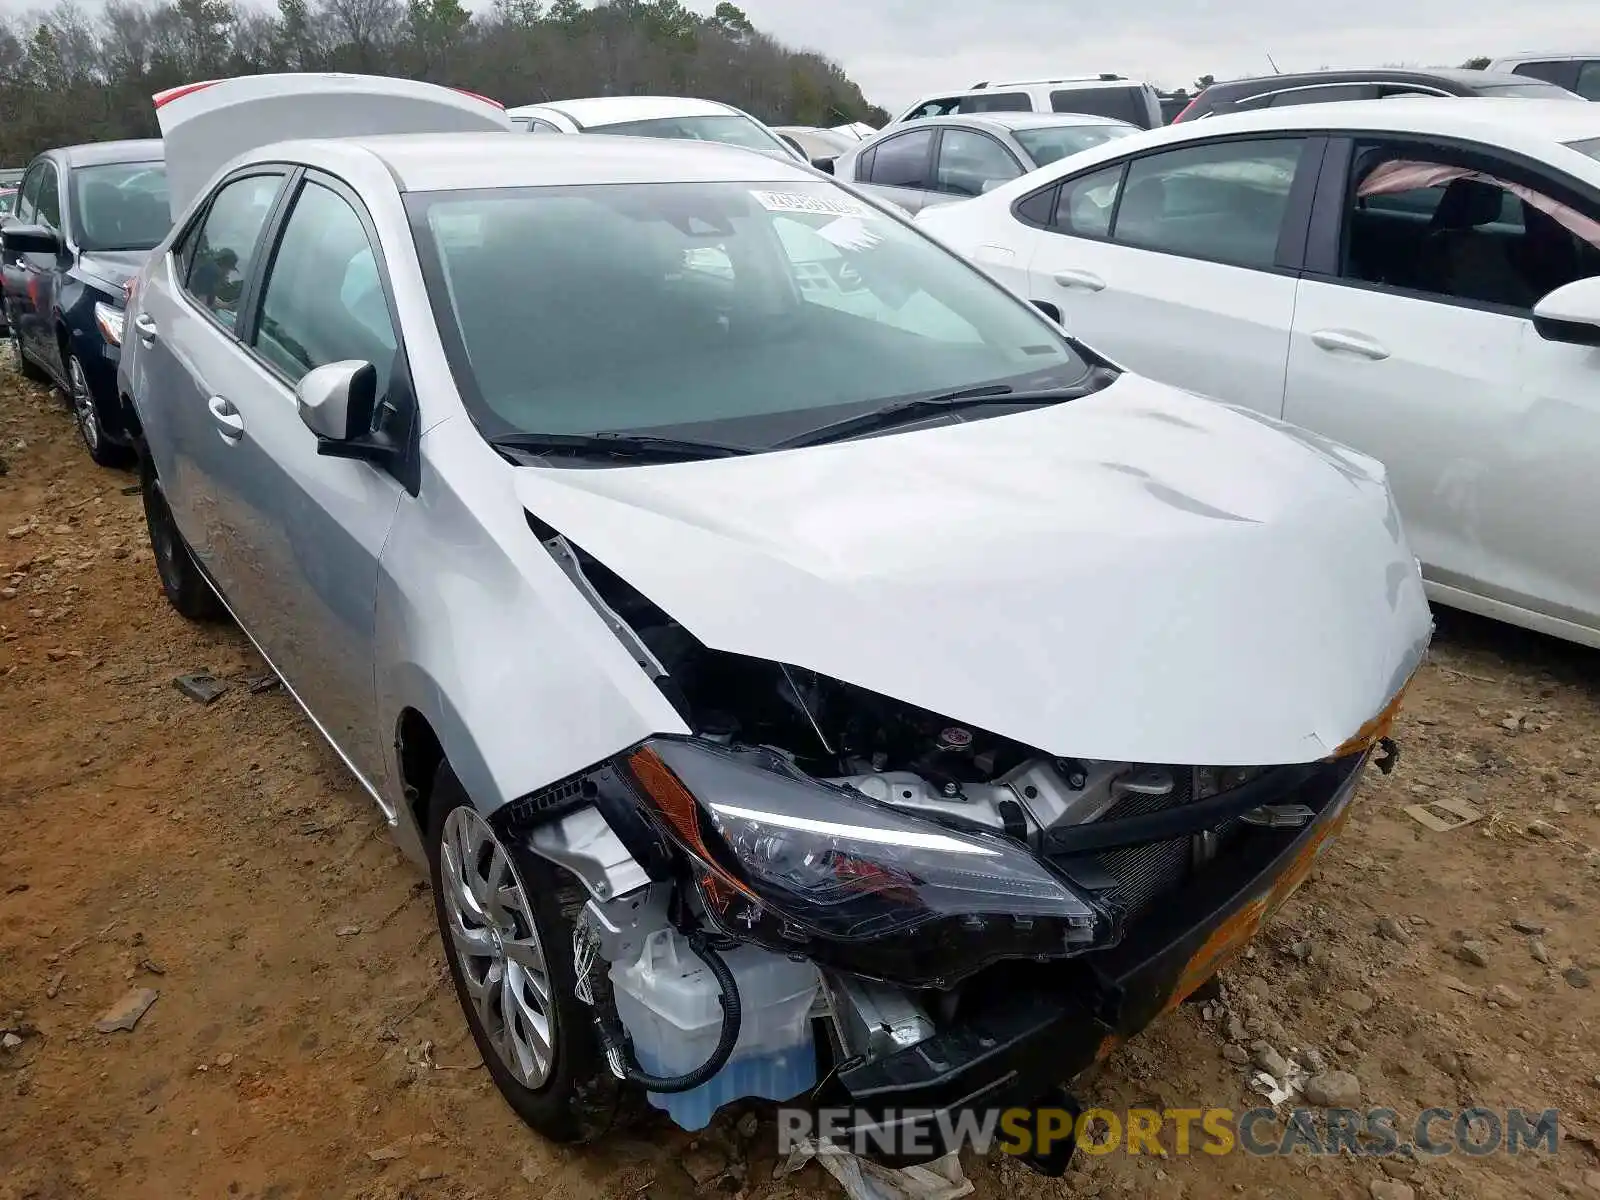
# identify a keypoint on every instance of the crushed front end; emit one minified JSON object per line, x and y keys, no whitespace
{"x":822,"y":895}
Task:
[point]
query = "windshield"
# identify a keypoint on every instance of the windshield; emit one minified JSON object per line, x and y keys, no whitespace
{"x":1531,"y":90}
{"x":1045,"y":144}
{"x":731,"y":128}
{"x":120,"y":206}
{"x":736,"y":311}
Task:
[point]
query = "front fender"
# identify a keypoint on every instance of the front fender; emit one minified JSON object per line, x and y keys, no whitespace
{"x":478,"y":629}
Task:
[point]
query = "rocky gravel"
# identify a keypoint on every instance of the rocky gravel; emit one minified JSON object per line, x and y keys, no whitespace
{"x":305,"y":1042}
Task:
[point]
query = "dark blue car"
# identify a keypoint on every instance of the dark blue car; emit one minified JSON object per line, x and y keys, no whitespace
{"x":84,"y":220}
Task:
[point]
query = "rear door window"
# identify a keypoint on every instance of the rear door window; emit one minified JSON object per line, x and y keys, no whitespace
{"x":934,"y":108}
{"x":996,"y":102}
{"x":1559,"y":72}
{"x":1122,"y":102}
{"x":970,"y":163}
{"x":1224,"y":202}
{"x":219,"y":260}
{"x":902,"y":161}
{"x":1085,"y":205}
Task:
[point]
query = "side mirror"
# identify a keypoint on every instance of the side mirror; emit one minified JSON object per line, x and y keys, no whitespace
{"x":30,"y":239}
{"x":824,"y":163}
{"x":336,"y":403}
{"x":1049,"y":310}
{"x":1568,"y":314}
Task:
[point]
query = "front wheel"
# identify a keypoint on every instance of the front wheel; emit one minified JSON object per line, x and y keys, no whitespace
{"x":86,"y":413}
{"x":187,"y":590}
{"x":506,"y":918}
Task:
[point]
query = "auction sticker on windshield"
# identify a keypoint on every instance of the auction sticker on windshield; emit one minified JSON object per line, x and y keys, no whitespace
{"x":830,"y":206}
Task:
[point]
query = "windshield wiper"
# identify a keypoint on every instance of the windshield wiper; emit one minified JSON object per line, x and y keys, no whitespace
{"x":975,"y":397}
{"x":616,"y":444}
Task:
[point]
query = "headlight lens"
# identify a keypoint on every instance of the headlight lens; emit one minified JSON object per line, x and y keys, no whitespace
{"x":867,"y":888}
{"x":110,"y":320}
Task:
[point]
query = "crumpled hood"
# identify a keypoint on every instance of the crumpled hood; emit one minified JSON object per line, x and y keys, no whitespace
{"x":1138,"y":575}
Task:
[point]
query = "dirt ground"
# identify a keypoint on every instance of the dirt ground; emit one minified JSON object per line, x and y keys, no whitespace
{"x":305,"y":1042}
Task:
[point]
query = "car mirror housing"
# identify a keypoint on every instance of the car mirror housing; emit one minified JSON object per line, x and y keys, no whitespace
{"x":1570,"y":313}
{"x":30,"y":239}
{"x":824,"y":163}
{"x":335,"y":401}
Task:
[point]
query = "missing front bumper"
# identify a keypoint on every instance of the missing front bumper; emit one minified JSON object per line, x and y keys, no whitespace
{"x":1035,"y":1026}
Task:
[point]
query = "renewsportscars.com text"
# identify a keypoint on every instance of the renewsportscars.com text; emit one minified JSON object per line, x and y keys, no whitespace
{"x":1375,"y":1132}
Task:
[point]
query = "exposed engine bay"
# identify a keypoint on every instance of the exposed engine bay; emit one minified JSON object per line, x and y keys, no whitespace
{"x":810,"y":908}
{"x":890,"y":751}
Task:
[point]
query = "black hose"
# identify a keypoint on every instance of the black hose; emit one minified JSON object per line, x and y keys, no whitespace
{"x":617,"y":1049}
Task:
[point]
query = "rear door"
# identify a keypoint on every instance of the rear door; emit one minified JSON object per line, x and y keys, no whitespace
{"x":1182,"y":263}
{"x":40,"y":274}
{"x":14,"y":270}
{"x":187,"y":367}
{"x":900,"y":168}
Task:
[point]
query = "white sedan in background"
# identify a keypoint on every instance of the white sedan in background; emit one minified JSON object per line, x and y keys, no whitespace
{"x":679,"y":118}
{"x":1418,"y":279}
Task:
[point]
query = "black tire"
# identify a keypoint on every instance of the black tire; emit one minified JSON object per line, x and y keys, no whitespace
{"x":186,"y":588}
{"x":580,"y":1099}
{"x":26,"y":367}
{"x":86,"y":414}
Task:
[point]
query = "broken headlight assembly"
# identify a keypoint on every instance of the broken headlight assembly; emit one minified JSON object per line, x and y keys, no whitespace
{"x":805,"y":867}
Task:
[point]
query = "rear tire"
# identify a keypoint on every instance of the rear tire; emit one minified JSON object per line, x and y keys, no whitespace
{"x":571,"y":1096}
{"x":186,"y":588}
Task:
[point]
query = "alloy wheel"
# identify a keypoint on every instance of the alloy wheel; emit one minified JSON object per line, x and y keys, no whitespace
{"x":496,"y":943}
{"x":83,"y":404}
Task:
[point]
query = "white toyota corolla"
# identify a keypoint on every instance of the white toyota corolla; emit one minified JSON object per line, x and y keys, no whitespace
{"x":1417,"y":278}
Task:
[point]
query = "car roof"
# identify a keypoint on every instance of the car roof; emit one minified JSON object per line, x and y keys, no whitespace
{"x":1462,"y":76}
{"x":1035,"y":120}
{"x":1513,"y":121}
{"x":1553,"y":56}
{"x":430,"y":162}
{"x":91,"y":154}
{"x":613,"y":110}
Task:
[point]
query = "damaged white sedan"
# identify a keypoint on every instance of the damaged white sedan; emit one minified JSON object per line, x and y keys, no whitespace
{"x":797,"y":662}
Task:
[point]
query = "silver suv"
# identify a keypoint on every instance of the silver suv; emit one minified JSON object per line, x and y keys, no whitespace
{"x":800,"y":667}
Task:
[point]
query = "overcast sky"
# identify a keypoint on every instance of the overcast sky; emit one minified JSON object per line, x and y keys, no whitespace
{"x":899,"y":50}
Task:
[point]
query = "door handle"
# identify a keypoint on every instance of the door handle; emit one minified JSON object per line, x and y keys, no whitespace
{"x":1087,"y":280}
{"x":1339,"y":341}
{"x":230,"y":421}
{"x":146,"y":325}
